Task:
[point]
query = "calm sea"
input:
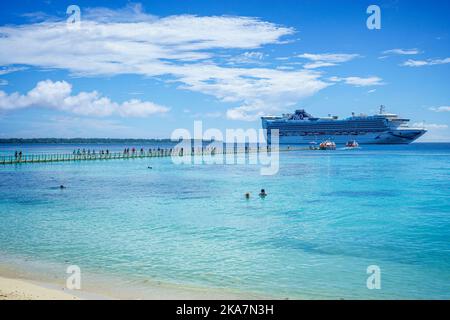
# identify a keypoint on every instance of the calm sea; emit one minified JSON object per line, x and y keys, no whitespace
{"x":327,"y":217}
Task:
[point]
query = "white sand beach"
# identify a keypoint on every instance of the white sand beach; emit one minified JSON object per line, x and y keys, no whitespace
{"x":15,"y":289}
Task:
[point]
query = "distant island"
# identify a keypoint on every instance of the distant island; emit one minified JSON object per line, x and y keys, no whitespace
{"x":78,"y":140}
{"x":84,"y":141}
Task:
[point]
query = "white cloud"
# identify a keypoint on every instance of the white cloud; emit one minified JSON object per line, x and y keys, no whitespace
{"x":359,"y":81}
{"x":372,"y":91}
{"x":318,"y":64}
{"x":3,"y":82}
{"x":326,"y":59}
{"x":402,"y":51}
{"x":440,"y":109}
{"x":258,"y":90}
{"x":148,"y":48}
{"x":179,"y":47}
{"x":138,"y":108}
{"x":429,"y":125}
{"x":252,"y":57}
{"x":132,"y":12}
{"x":421,"y":63}
{"x":58,"y":95}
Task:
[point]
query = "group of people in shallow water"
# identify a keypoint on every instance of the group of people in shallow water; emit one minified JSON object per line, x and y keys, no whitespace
{"x":80,"y":152}
{"x":262,"y":194}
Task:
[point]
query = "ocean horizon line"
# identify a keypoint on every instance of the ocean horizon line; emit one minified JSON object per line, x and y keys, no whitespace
{"x":118,"y":140}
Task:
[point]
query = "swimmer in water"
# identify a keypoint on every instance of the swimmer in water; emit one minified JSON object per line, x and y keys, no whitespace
{"x":247,"y":195}
{"x":263,"y":193}
{"x":62,"y":187}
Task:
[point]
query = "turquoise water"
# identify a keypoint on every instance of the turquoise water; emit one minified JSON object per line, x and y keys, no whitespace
{"x":327,"y":217}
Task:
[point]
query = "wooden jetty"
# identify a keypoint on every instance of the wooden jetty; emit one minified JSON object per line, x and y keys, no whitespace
{"x":151,"y":153}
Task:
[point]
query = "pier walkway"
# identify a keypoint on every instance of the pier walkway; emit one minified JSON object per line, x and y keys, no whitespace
{"x":152,"y":153}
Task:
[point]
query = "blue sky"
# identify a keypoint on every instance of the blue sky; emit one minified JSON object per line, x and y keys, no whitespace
{"x":144,"y":69}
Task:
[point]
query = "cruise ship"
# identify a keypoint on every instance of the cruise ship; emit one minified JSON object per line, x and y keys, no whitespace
{"x":302,"y":128}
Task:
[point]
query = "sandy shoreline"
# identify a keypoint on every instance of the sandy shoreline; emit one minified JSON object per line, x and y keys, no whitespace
{"x":18,"y":284}
{"x":17,"y":289}
{"x":25,"y":279}
{"x":25,"y":289}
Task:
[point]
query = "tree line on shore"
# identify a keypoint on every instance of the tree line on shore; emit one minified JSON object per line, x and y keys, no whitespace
{"x":78,"y":140}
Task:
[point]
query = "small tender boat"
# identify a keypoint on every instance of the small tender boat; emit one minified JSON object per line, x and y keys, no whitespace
{"x":352,"y":144}
{"x":327,"y":145}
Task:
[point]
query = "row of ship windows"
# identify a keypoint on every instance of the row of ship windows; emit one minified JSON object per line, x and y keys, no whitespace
{"x":303,"y":129}
{"x":318,"y":127}
{"x":334,"y":133}
{"x":332,"y":123}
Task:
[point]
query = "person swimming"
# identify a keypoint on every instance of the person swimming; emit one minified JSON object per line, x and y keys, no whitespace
{"x":62,"y":187}
{"x":263,"y":193}
{"x":247,"y":195}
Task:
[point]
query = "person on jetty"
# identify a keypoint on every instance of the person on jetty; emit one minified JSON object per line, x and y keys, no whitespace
{"x":263,"y":193}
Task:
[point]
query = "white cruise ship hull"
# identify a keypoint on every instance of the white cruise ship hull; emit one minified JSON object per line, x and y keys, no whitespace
{"x":403,"y":136}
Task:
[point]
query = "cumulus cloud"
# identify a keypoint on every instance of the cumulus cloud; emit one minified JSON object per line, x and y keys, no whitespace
{"x":326,"y":59}
{"x":58,"y":95}
{"x":440,"y":109}
{"x":428,"y":62}
{"x":359,"y":81}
